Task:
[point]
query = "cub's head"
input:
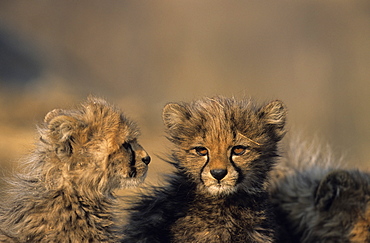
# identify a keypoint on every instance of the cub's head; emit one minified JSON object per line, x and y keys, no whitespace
{"x":225,"y":145}
{"x":94,"y":146}
{"x":342,"y":204}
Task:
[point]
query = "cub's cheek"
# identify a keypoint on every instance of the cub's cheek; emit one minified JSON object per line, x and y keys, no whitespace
{"x":193,"y":163}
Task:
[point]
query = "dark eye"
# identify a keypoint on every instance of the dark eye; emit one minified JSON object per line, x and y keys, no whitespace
{"x":238,"y":150}
{"x":127,"y":146}
{"x":202,"y":151}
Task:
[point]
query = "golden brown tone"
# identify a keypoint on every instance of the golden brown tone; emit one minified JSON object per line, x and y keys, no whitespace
{"x":223,"y":151}
{"x":65,"y":191}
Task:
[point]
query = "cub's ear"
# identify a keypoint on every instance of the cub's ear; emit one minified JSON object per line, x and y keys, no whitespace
{"x":59,"y":131}
{"x":274,"y":115}
{"x":173,"y":115}
{"x":52,"y":114}
{"x":331,"y":187}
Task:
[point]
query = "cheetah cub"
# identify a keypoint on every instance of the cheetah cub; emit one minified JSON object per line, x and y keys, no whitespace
{"x":65,"y":193}
{"x":223,"y":149}
{"x":319,"y":201}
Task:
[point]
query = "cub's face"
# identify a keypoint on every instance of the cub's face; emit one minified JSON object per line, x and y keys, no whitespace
{"x":221,"y":167}
{"x":121,"y":159}
{"x":128,"y":164}
{"x":224,"y":145}
{"x":96,"y":146}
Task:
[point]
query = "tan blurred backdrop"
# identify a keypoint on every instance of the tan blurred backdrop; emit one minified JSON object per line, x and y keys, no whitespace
{"x":313,"y":55}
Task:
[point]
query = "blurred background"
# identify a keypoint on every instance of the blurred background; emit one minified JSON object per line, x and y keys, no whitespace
{"x":139,"y":55}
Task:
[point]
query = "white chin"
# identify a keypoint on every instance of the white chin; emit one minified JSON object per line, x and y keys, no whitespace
{"x":220,"y":189}
{"x":131,"y":182}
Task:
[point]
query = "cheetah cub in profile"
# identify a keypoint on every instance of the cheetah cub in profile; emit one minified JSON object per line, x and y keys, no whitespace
{"x":223,"y":151}
{"x":65,"y":191}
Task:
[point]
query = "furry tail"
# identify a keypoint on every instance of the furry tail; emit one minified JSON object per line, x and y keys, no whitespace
{"x":304,"y":155}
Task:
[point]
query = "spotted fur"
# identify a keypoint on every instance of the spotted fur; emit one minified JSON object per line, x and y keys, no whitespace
{"x":64,"y":192}
{"x":318,"y":200}
{"x":223,"y":149}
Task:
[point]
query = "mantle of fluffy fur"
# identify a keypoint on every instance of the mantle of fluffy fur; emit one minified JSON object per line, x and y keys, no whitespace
{"x":33,"y":212}
{"x":170,"y":210}
{"x":64,"y":194}
{"x":193,"y":207}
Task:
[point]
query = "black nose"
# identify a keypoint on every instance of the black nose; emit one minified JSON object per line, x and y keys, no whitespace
{"x":218,"y":174}
{"x":146,"y":160}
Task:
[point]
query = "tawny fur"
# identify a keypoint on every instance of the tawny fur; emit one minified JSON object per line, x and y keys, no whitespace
{"x":318,"y":200}
{"x":223,"y":150}
{"x":64,"y":193}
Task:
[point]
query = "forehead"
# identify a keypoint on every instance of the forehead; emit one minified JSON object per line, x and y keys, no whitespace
{"x":211,"y":125}
{"x":215,"y":113}
{"x":216,"y":134}
{"x":105,"y":121}
{"x":126,"y":129}
{"x":220,"y":119}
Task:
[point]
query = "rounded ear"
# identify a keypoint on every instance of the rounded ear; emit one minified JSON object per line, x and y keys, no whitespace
{"x":173,"y":115}
{"x":52,"y":114}
{"x":274,"y":115}
{"x":60,"y":130}
{"x":330,"y":188}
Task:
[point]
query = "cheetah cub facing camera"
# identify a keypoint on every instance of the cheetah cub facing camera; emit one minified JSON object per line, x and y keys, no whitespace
{"x":65,"y":192}
{"x":223,"y":151}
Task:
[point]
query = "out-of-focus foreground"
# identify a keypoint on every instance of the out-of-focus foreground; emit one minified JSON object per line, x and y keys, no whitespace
{"x":313,"y":55}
